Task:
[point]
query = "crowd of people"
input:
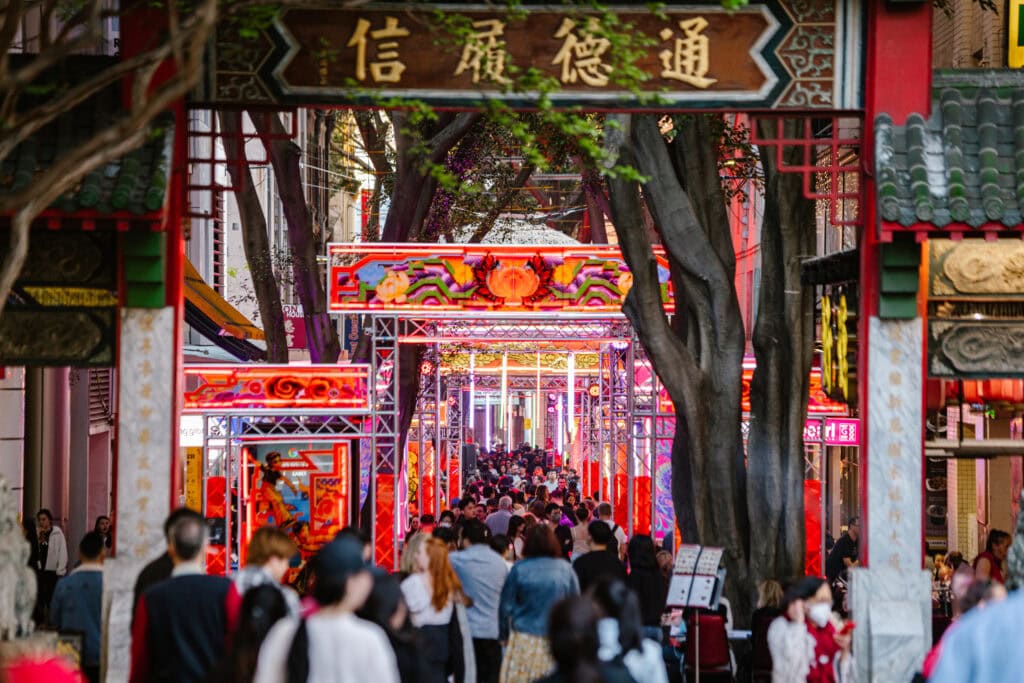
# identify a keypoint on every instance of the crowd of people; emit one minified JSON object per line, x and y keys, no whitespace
{"x":523,"y":578}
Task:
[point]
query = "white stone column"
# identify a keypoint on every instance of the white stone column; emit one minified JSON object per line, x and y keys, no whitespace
{"x":891,"y":600}
{"x":146,"y":381}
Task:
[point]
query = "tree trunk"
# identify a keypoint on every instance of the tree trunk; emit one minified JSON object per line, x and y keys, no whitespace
{"x":321,"y":333}
{"x":373,"y":129}
{"x":414,"y":185}
{"x":255,"y":240}
{"x":783,"y":340}
{"x":596,"y":203}
{"x":698,"y":357}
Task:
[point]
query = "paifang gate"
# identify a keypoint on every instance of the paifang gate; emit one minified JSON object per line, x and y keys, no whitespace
{"x":802,"y":60}
{"x":787,"y":60}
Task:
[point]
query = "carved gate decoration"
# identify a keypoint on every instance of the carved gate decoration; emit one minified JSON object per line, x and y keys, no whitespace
{"x":976,"y":308}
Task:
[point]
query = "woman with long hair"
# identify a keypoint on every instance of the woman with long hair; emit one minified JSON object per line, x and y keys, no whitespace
{"x":386,"y":607}
{"x":104,"y":529}
{"x":332,"y":645}
{"x":621,"y":633}
{"x":569,"y":504}
{"x":575,"y":645}
{"x":580,"y":532}
{"x":407,"y":563}
{"x":52,"y":563}
{"x":533,"y":586}
{"x":262,"y":607}
{"x":541,"y":495}
{"x":437,"y":606}
{"x":991,"y":564}
{"x":807,"y":642}
{"x":517,"y":535}
{"x":647,"y":582}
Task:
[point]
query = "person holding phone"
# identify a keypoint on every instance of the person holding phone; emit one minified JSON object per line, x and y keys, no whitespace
{"x":808,"y":642}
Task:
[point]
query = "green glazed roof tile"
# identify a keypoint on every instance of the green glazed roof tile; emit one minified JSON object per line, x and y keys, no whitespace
{"x":963,"y":166}
{"x":134,"y":184}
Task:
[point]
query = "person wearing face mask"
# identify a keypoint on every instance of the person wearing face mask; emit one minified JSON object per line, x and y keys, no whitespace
{"x":807,"y":642}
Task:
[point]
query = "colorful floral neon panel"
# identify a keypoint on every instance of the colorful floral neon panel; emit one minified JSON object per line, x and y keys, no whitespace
{"x":235,"y":387}
{"x":480,"y":278}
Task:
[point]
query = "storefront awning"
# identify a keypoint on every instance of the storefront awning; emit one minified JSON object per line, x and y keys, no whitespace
{"x":217,"y":320}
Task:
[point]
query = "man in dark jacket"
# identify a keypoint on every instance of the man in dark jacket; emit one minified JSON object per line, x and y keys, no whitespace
{"x":845,"y":552}
{"x":78,"y":601}
{"x":160,"y":568}
{"x":599,"y":563}
{"x":181,"y":626}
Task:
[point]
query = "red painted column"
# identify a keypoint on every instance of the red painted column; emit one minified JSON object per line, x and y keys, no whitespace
{"x":898,"y":83}
{"x":141,"y":31}
{"x":175,"y":291}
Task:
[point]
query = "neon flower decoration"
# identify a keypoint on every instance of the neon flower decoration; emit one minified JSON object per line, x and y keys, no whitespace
{"x":277,"y":387}
{"x":474,"y":278}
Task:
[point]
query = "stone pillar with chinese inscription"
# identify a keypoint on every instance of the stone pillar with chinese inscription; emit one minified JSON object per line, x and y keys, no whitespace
{"x":891,"y":599}
{"x":146,"y":381}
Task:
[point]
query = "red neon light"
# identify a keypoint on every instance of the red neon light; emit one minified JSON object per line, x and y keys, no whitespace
{"x":440,"y":278}
{"x":329,"y":497}
{"x":384,"y":522}
{"x":642,"y":505}
{"x":240,"y":387}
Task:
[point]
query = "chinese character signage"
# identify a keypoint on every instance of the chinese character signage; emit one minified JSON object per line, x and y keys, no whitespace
{"x":440,"y":278}
{"x":792,"y":54}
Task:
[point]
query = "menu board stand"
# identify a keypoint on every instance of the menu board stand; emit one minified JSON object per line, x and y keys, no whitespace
{"x":696,"y":583}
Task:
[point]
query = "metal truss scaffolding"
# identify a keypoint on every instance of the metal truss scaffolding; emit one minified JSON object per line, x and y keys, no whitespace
{"x":385,"y":523}
{"x":619,"y":424}
{"x":225,"y":434}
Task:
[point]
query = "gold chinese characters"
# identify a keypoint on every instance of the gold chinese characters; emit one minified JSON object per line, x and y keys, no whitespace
{"x":580,"y":54}
{"x":485,"y":53}
{"x":386,"y":68}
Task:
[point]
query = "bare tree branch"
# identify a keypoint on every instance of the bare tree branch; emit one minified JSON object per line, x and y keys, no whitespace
{"x":502,"y":202}
{"x":32,"y":120}
{"x":255,"y":239}
{"x":111,"y":142}
{"x":450,"y":135}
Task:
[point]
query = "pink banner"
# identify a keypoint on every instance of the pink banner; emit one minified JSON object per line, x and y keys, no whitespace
{"x":812,"y":431}
{"x":842,"y":431}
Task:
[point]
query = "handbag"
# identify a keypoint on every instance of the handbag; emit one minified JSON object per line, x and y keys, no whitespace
{"x":456,"y":656}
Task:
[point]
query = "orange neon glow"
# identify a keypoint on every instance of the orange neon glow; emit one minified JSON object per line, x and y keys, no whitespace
{"x":240,"y":387}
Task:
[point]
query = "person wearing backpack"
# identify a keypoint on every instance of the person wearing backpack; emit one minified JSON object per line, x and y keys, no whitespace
{"x":332,"y":645}
{"x":617,"y":546}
